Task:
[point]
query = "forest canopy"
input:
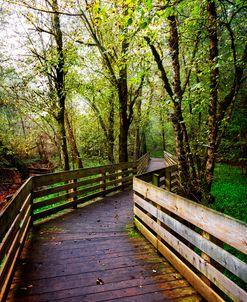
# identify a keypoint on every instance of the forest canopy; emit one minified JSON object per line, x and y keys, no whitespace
{"x":110,"y":80}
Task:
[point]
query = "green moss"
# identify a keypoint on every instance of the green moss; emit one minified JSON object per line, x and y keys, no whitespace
{"x":53,"y":229}
{"x":132,"y":231}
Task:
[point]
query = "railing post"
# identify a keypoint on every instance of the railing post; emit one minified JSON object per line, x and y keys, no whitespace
{"x":209,"y":259}
{"x":31,"y":203}
{"x":75,"y":197}
{"x":156,"y":182}
{"x":168,"y":179}
{"x":156,"y":179}
{"x":102,"y":182}
{"x":120,"y":177}
{"x":206,"y":257}
{"x":73,"y":190}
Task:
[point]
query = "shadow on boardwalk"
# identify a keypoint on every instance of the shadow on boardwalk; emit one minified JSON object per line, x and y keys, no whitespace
{"x":94,"y":254}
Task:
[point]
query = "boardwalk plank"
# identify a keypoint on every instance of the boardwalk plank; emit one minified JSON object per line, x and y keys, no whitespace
{"x":166,"y":281}
{"x":64,"y":257}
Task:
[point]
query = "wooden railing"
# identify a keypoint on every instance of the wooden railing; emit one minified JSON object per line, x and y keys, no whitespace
{"x":142,"y":163}
{"x":44,"y":195}
{"x":170,"y":159}
{"x":192,"y":236}
{"x":70,"y":188}
{"x":15,"y":219}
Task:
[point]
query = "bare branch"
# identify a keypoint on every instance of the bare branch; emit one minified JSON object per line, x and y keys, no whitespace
{"x":25,"y":4}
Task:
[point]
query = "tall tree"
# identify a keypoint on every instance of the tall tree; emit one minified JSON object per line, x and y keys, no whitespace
{"x":194,"y":182}
{"x":109,"y":29}
{"x":59,"y":77}
{"x":50,"y":60}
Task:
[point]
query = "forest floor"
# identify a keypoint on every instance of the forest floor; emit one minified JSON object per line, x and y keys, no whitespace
{"x":8,"y":184}
{"x":6,"y":192}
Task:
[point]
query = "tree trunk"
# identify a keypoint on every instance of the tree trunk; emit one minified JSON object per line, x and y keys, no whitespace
{"x":60,"y":82}
{"x":214,"y":76}
{"x":123,"y":143}
{"x":123,"y":114}
{"x":144,"y":148}
{"x":110,"y":133}
{"x":64,"y":151}
{"x":72,"y":142}
{"x":187,"y":173}
{"x":163,"y":134}
{"x":137,"y":148}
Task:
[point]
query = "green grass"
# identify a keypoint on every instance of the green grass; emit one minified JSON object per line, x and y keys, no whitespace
{"x":157,"y":153}
{"x":230,"y":191}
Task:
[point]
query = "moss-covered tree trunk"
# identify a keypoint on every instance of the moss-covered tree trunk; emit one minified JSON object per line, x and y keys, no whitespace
{"x":59,"y":81}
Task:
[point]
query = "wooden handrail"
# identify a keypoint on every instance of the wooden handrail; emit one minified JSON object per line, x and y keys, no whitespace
{"x":45,"y":195}
{"x":15,"y":220}
{"x":142,"y":163}
{"x":190,"y":236}
{"x":186,"y":233}
{"x":71,"y":188}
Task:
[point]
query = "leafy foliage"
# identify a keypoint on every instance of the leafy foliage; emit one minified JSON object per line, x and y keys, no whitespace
{"x":113,"y":88}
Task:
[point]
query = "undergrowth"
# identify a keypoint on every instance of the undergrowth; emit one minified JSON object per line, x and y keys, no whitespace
{"x":230,"y":191}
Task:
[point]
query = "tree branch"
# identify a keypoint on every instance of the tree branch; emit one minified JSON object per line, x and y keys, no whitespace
{"x":137,"y":94}
{"x":192,"y":60}
{"x":160,"y":67}
{"x":25,"y":4}
{"x":100,"y":47}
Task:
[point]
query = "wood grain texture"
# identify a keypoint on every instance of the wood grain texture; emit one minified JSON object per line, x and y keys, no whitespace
{"x":197,"y":283}
{"x":88,"y":255}
{"x":215,"y":223}
{"x":43,"y":180}
{"x":227,"y":260}
{"x":221,"y":281}
{"x":12,"y":208}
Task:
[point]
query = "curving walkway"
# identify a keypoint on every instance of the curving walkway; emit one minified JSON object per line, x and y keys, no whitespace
{"x":94,"y":254}
{"x":155,"y":164}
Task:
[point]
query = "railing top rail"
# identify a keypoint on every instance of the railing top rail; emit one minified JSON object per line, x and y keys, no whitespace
{"x":216,"y":223}
{"x":41,"y":180}
{"x":170,"y":159}
{"x":11,"y":209}
{"x":176,"y":226}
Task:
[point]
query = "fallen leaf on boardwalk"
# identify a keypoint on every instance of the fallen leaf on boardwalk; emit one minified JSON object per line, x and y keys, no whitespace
{"x":99,"y":281}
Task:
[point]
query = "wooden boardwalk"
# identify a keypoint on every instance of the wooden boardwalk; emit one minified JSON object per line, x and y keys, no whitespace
{"x":155,"y":164}
{"x":94,"y":254}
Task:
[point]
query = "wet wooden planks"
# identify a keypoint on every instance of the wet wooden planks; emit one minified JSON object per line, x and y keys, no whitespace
{"x":155,"y":164}
{"x":94,"y":254}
